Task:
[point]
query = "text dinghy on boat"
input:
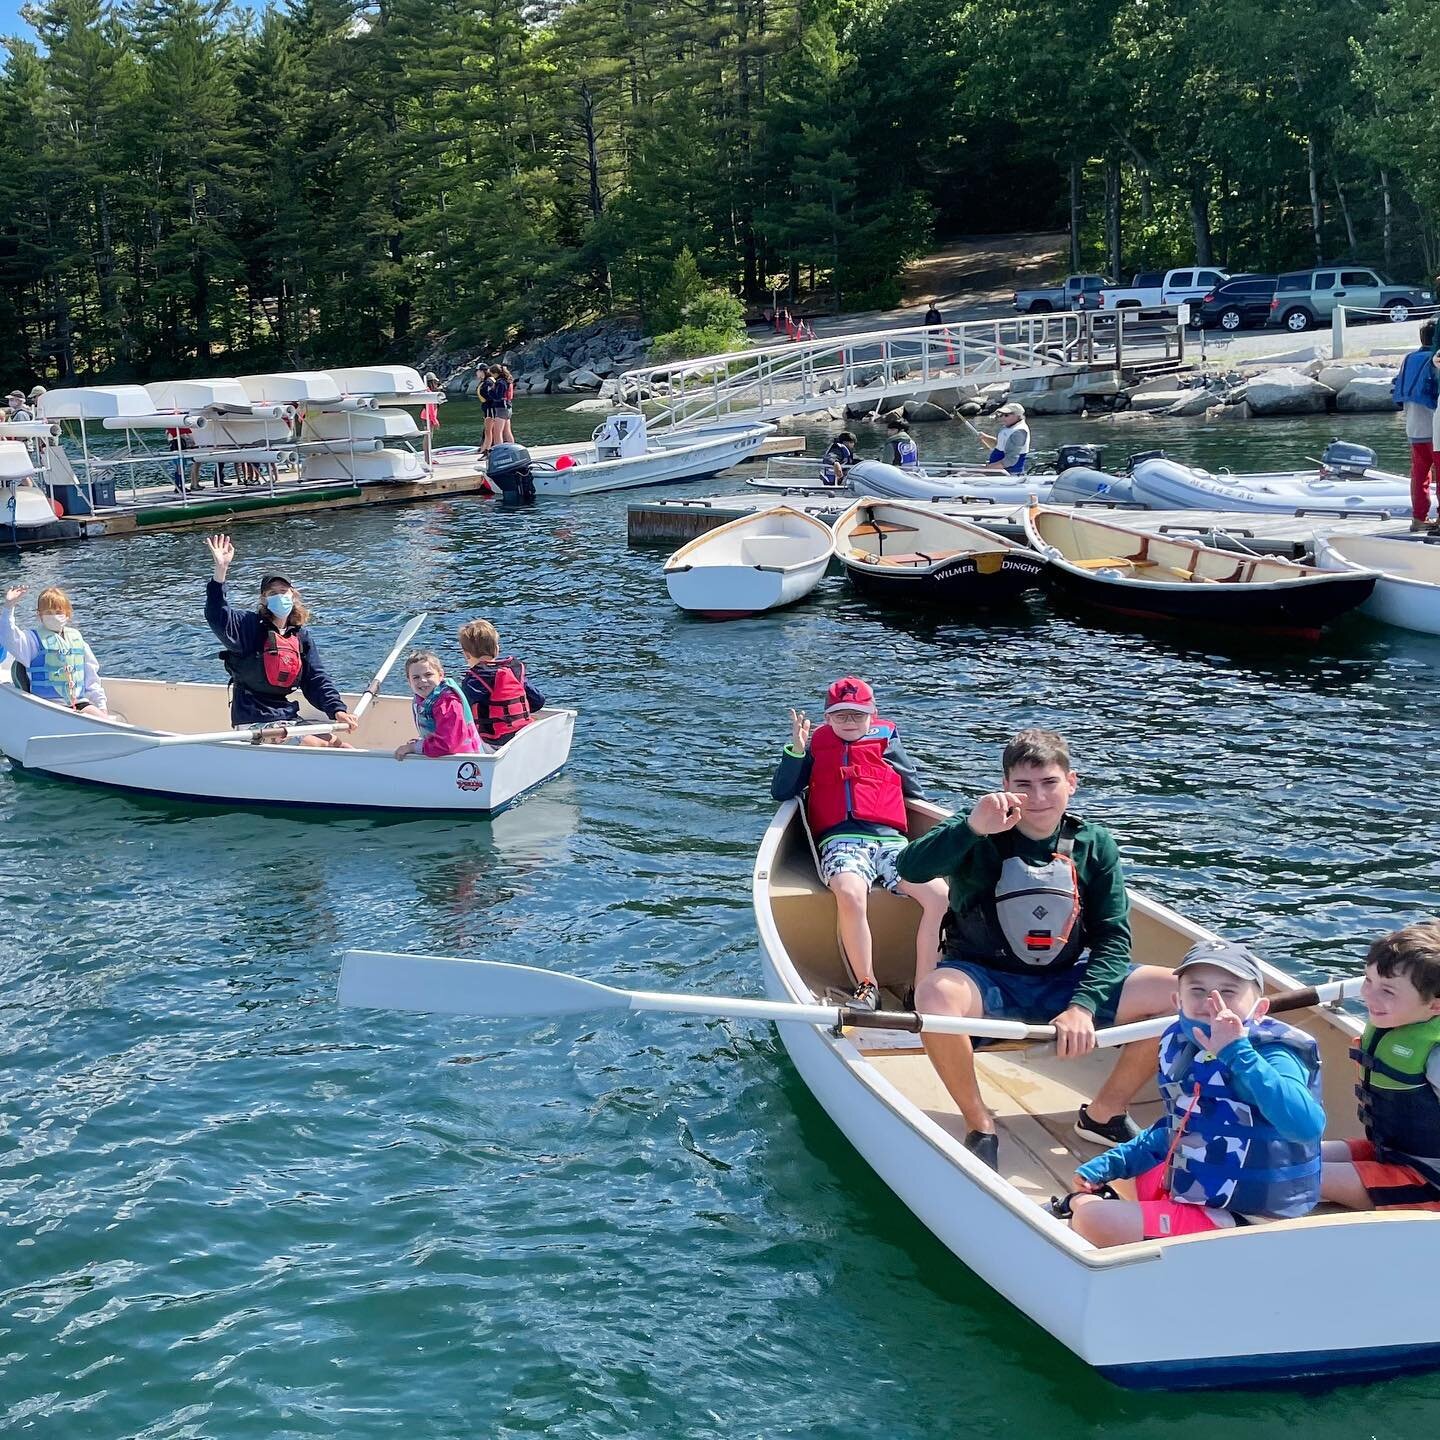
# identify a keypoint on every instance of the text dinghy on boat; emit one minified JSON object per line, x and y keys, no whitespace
{"x":1317,"y":1296}
{"x":909,"y":554}
{"x":1162,"y":577}
{"x":125,"y":755}
{"x":759,"y":562}
{"x":1407,"y":593}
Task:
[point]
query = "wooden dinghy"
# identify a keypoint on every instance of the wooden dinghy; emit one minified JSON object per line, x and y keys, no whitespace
{"x":906,"y":553}
{"x":1164,"y":577}
{"x":1407,"y":592}
{"x":1310,"y":1297}
{"x":758,"y":562}
{"x":236,"y":772}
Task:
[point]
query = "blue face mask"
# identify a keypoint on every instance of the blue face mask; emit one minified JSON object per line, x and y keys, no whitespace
{"x":280,"y":605}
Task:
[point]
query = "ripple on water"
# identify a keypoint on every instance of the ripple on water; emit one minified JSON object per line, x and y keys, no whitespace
{"x":233,"y":1211}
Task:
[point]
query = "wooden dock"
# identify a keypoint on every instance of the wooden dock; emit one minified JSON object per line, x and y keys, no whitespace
{"x":672,"y":522}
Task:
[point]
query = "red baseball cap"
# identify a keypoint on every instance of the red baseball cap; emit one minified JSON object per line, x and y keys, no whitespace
{"x":849,"y":693}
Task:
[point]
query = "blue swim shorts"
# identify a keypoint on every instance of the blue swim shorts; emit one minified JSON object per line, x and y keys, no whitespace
{"x":1036,"y":999}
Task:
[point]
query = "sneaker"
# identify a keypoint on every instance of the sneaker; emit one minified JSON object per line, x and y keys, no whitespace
{"x":1419,"y":526}
{"x":984,"y":1145}
{"x":1115,"y":1131}
{"x":865,"y":997}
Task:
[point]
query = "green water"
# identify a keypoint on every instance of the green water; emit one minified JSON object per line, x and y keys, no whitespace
{"x":230,"y":1210}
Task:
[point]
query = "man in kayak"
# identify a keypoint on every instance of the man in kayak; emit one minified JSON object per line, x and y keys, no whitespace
{"x":1397,"y":1164}
{"x":1240,"y":1136}
{"x":1010,"y":446}
{"x":1039,"y":931}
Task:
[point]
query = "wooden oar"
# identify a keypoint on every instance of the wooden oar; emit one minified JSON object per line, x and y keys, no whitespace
{"x":448,"y":985}
{"x":42,"y":751}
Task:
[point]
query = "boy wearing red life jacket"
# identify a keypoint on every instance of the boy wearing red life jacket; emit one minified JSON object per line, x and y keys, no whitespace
{"x":502,"y":701}
{"x":855,"y":776}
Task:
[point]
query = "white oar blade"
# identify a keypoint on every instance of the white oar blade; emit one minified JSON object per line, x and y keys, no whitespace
{"x":43,"y":752}
{"x":448,"y":985}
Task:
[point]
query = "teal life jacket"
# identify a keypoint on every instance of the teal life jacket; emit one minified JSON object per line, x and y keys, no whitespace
{"x":58,"y":670}
{"x":1229,"y":1157}
{"x":425,"y":711}
{"x":1398,"y":1104}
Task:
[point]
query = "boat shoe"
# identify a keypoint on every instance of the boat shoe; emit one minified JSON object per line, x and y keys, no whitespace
{"x":984,"y":1145}
{"x":1115,"y":1131}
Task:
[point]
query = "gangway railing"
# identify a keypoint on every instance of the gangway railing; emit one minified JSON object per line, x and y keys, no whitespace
{"x":792,"y":377}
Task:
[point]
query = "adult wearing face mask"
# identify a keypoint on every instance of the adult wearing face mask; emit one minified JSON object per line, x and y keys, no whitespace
{"x":269,"y":652}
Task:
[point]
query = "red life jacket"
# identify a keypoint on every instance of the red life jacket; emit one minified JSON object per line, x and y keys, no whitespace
{"x":507,"y":709}
{"x":272,"y":671}
{"x":852,"y":781}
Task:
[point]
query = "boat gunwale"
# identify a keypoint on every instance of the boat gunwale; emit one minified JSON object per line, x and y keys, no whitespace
{"x":674,"y":564}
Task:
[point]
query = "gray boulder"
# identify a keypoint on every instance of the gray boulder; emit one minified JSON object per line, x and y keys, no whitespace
{"x":1366,"y":394}
{"x":922,"y":412}
{"x":584,"y":380}
{"x":1288,"y":392}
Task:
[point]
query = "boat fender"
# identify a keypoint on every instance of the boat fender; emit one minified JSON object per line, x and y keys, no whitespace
{"x":1037,"y":906}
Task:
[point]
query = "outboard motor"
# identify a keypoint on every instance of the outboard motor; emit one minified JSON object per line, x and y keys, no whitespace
{"x":1344,"y":459}
{"x":1131,"y":461}
{"x":510,"y":468}
{"x":1070,"y":455}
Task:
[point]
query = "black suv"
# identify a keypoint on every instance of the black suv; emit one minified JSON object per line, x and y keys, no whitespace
{"x":1237,"y":303}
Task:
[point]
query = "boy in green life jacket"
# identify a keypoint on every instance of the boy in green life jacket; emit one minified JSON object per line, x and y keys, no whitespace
{"x":1397,"y":1164}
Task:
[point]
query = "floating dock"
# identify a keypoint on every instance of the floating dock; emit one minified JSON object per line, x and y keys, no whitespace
{"x":673,"y":522}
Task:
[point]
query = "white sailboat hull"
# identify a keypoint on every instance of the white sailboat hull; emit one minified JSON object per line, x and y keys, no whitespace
{"x":238,"y":773}
{"x":1407,"y":594}
{"x":758,"y":562}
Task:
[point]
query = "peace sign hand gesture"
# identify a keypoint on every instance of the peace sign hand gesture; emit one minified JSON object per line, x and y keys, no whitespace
{"x":1226,"y":1026}
{"x":799,"y":731}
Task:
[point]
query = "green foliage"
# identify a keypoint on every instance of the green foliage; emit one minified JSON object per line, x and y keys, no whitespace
{"x":694,"y":318}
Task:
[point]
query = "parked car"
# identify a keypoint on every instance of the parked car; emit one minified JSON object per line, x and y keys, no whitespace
{"x":1079,"y":292}
{"x":1304,"y":298}
{"x":1163,"y":294}
{"x":1238,"y":303}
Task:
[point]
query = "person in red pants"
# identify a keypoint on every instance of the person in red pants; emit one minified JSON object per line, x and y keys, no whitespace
{"x":1415,"y":390}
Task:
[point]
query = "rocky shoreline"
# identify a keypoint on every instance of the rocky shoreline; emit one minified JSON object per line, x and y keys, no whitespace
{"x":569,"y":362}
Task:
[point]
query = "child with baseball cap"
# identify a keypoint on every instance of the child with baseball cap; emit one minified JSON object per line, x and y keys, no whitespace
{"x":856,"y":776}
{"x":1240,"y":1136}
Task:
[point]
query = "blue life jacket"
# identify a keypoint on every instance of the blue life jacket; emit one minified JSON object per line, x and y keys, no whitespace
{"x":905,"y":451}
{"x":1229,"y":1157}
{"x":58,"y":671}
{"x":1415,"y":381}
{"x":425,"y":709}
{"x":835,"y":461}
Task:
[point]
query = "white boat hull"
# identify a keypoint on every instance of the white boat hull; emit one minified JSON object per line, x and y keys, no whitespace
{"x":238,"y":773}
{"x":683,"y":455}
{"x":24,"y":507}
{"x":893,"y":482}
{"x":1407,"y":594}
{"x":364,"y":467}
{"x":1168,"y":485}
{"x":758,"y":562}
{"x":1317,"y":1295}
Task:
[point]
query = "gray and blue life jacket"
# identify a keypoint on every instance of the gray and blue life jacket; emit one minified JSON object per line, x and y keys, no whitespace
{"x":1228,"y":1156}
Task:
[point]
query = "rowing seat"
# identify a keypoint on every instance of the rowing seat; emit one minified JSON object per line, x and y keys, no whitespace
{"x":882,"y":527}
{"x":1105,"y":562}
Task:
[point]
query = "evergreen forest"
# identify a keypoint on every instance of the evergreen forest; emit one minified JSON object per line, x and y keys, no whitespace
{"x":190,"y":184}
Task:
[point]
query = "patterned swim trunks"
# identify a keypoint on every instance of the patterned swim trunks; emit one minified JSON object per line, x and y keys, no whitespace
{"x":873,"y":859}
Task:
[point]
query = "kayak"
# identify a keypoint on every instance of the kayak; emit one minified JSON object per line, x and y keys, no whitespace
{"x":1311,"y":1297}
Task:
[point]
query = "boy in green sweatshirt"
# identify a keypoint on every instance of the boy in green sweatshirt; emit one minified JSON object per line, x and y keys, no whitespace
{"x":1039,"y":931}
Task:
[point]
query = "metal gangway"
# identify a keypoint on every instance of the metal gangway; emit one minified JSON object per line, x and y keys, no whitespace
{"x":792,"y":377}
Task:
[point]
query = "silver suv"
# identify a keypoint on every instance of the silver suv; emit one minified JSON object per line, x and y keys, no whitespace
{"x":1304,"y":298}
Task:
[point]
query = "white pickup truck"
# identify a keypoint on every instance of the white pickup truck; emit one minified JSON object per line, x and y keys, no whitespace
{"x":1154,"y":294}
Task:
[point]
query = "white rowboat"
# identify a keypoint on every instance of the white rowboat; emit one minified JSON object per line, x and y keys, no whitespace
{"x":758,"y":562}
{"x":1407,"y":593}
{"x":235,"y":772}
{"x":1310,"y":1297}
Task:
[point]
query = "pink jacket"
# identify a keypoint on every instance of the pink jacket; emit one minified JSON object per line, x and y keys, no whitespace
{"x":455,"y":732}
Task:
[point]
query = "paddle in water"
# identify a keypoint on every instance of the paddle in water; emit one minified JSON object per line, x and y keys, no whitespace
{"x":91,"y":747}
{"x":492,"y":989}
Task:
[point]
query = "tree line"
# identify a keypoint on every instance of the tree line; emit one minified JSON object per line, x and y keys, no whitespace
{"x":343,"y":179}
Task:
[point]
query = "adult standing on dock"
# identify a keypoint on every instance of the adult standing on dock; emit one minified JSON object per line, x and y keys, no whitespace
{"x":1416,"y":391}
{"x":269,"y":653}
